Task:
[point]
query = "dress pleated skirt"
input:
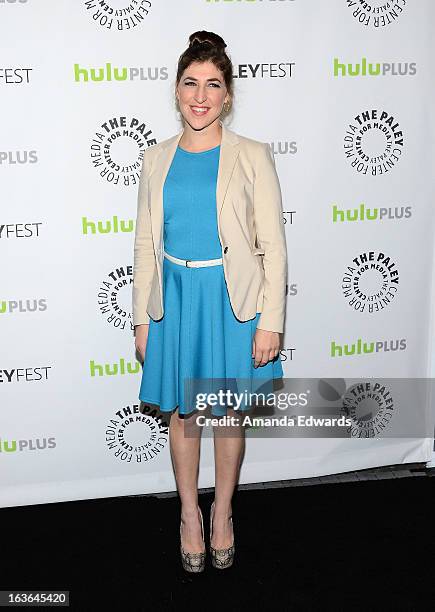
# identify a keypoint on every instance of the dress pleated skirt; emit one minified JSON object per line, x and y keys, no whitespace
{"x":200,"y":339}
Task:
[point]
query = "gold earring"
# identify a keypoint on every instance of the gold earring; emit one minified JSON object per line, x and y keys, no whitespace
{"x":227,"y":106}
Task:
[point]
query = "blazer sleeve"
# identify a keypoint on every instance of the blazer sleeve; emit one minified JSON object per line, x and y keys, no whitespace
{"x":269,"y":223}
{"x":144,"y":261}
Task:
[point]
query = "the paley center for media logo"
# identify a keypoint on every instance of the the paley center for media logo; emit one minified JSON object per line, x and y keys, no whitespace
{"x":373,"y":142}
{"x":376,"y":14}
{"x":370,"y":282}
{"x":117,"y":149}
{"x":114,"y":297}
{"x":118,"y":15}
{"x":135,"y":435}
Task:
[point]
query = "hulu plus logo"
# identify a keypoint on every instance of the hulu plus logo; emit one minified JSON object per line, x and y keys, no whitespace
{"x":120,"y":368}
{"x":364,"y":213}
{"x":110,"y":226}
{"x":112,"y":73}
{"x":362,"y":347}
{"x":365,"y":68}
{"x":28,"y":444}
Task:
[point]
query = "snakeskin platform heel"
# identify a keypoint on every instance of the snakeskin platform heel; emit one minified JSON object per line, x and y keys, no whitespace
{"x":193,"y":562}
{"x":221,"y":558}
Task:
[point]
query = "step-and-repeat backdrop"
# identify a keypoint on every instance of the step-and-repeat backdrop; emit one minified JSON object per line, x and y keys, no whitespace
{"x":343,"y":92}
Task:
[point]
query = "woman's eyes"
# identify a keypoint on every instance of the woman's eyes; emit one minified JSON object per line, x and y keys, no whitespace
{"x":193,"y":83}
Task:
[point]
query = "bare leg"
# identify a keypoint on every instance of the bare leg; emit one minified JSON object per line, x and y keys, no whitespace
{"x":229,"y":446}
{"x":185,"y":460}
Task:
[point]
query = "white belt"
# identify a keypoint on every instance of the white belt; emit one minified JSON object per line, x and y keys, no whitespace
{"x":193,"y":263}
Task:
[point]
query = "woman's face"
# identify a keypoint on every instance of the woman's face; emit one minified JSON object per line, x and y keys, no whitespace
{"x":201,"y":93}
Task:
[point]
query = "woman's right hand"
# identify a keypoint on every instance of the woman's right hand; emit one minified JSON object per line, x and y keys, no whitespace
{"x":141,"y":334}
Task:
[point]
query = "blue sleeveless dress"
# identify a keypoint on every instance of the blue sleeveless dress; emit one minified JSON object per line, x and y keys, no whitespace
{"x":198,"y":337}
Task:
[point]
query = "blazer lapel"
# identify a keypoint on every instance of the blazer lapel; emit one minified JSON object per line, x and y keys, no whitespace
{"x":227,"y":159}
{"x":156,"y":180}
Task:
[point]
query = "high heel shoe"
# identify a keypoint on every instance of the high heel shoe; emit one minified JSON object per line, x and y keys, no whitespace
{"x":221,"y":558}
{"x":193,"y":562}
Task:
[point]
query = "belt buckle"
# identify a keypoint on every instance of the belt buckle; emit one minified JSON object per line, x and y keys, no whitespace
{"x":187,"y":261}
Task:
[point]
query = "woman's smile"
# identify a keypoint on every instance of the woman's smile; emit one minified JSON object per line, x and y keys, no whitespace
{"x":198,"y":111}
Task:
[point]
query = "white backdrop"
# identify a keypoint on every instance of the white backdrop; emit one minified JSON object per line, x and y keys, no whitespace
{"x":85,"y":87}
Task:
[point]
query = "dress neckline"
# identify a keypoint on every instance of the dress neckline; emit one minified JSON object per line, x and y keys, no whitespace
{"x":198,"y":152}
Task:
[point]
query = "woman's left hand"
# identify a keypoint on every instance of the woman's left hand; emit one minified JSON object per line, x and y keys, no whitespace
{"x":265,"y":346}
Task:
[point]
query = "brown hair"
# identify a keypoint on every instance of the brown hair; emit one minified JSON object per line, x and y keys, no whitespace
{"x":208,"y":47}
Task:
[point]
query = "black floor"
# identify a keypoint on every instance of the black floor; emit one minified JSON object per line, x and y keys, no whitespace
{"x":364,"y":545}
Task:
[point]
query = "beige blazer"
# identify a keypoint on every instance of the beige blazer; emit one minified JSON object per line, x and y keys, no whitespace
{"x":250,"y":226}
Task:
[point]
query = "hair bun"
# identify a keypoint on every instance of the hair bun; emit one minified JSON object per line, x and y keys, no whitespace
{"x":206,"y":38}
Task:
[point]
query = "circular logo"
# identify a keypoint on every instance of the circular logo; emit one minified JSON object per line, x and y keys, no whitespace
{"x":376,"y":14}
{"x":114,"y":297}
{"x":133,"y":436}
{"x":370,"y":407}
{"x":118,"y":15}
{"x":373,"y":143}
{"x":117,"y":150}
{"x":371,"y":282}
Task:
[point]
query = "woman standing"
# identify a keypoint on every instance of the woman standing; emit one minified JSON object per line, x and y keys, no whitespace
{"x":210,"y":303}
